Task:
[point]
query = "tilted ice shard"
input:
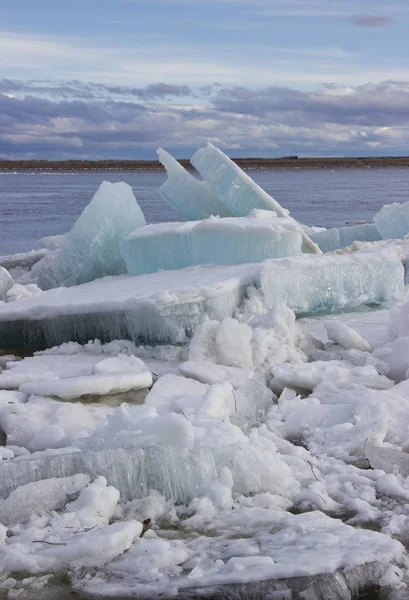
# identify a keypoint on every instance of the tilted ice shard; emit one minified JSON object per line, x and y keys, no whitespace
{"x":333,"y":239}
{"x":191,"y":198}
{"x":164,"y":307}
{"x":236,"y":189}
{"x":178,"y":473}
{"x":212,"y":241}
{"x":392,"y":221}
{"x":91,"y":249}
{"x":330,"y":283}
{"x":6,"y":283}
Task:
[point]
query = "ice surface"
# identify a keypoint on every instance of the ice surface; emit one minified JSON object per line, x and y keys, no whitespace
{"x":333,"y":239}
{"x":164,"y":307}
{"x":6,"y":282}
{"x":317,"y":283}
{"x":191,"y":198}
{"x":392,"y":221}
{"x":238,"y":192}
{"x":91,"y":249}
{"x":177,"y":473}
{"x":211,"y":241}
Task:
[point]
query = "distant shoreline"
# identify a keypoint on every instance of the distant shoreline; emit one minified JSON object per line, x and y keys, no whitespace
{"x":245,"y":163}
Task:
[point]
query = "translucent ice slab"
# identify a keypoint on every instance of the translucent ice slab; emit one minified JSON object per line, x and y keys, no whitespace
{"x":191,"y":198}
{"x":91,"y":249}
{"x":330,"y":283}
{"x":392,"y":221}
{"x":236,"y":189}
{"x":177,"y":473}
{"x":164,"y":307}
{"x":212,"y":241}
{"x":333,"y":239}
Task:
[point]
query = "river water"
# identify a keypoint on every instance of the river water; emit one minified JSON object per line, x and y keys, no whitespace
{"x":36,"y":204}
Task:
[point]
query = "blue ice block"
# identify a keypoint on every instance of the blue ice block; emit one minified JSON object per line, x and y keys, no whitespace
{"x":392,"y":221}
{"x":228,"y":241}
{"x":91,"y":249}
{"x":333,"y":239}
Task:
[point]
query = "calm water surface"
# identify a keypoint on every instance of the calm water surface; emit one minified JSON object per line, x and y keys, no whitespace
{"x":33,"y":205}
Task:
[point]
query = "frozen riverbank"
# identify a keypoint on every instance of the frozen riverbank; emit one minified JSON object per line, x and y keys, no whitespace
{"x":216,"y":431}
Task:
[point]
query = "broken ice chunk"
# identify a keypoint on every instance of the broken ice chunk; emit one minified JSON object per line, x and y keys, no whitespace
{"x":333,"y":239}
{"x":92,"y":549}
{"x":392,"y":221}
{"x":213,"y":241}
{"x":191,"y":198}
{"x":91,"y":249}
{"x":236,"y":189}
{"x":345,"y":336}
{"x":37,"y":496}
{"x":111,"y":376}
{"x":389,"y":460}
{"x":331,"y":283}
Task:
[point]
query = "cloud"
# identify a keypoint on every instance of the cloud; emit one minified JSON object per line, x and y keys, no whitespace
{"x":115,"y":122}
{"x":369,"y":20}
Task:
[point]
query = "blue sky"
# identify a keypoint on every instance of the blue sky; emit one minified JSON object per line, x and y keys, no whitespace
{"x":117,"y":78}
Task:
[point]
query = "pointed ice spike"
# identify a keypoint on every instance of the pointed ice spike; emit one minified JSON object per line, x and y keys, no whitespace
{"x":191,"y":198}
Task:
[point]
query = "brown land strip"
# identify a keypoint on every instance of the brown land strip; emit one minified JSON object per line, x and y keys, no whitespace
{"x":247,"y":163}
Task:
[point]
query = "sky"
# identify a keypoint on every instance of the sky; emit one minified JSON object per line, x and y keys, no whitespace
{"x":106,"y":79}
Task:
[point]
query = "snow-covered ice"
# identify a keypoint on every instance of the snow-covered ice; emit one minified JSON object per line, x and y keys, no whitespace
{"x":91,"y":249}
{"x":156,"y":308}
{"x":210,"y":241}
